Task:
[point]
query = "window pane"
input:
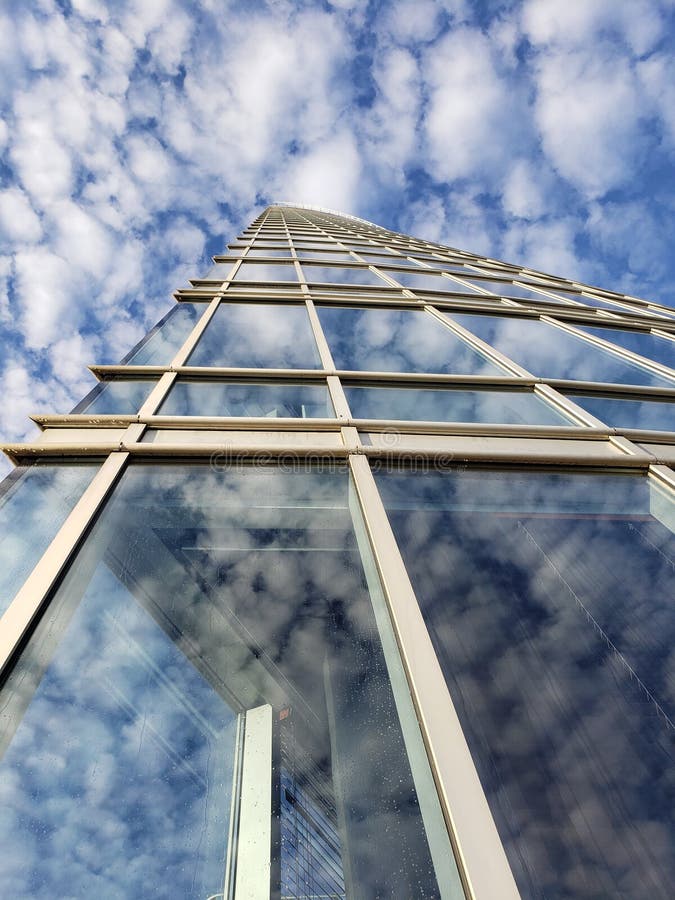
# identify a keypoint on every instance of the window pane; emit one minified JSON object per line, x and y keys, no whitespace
{"x":116,"y":397}
{"x":443,"y":405}
{"x":429,"y":282}
{"x":550,"y":352}
{"x":659,"y":349}
{"x":199,"y":597}
{"x":250,"y":335}
{"x":624,"y":412}
{"x":161,"y":344}
{"x":210,"y":398}
{"x":342,"y":275}
{"x":34,"y":503}
{"x":218,"y":272}
{"x":325,"y":256}
{"x":269,"y":251}
{"x":549,"y":602}
{"x":506,"y":289}
{"x":389,"y":260}
{"x":398,"y":340}
{"x":263,"y":272}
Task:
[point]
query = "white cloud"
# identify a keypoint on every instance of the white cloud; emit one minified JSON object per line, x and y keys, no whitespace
{"x":412,"y":21}
{"x":469,"y":117}
{"x":17,"y":218}
{"x":524,"y":191}
{"x":589,"y":109}
{"x":326,"y":176}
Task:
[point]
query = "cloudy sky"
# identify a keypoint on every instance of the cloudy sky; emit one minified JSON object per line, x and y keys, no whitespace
{"x":138,"y":136}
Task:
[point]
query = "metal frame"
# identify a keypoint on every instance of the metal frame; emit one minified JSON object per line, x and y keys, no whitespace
{"x":588,"y":443}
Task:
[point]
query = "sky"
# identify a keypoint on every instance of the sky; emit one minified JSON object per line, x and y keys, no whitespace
{"x":138,"y":137}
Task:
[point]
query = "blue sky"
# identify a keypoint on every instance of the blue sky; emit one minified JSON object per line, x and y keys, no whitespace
{"x":138,"y":137}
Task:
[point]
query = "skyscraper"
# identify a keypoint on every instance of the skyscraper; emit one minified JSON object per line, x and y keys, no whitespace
{"x":353,"y":579}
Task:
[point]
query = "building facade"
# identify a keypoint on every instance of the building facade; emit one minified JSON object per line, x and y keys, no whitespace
{"x":354,"y":579}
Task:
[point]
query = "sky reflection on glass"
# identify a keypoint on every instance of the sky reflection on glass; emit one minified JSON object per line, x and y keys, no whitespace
{"x":551,"y":352}
{"x":210,"y":398}
{"x":34,"y":503}
{"x":264,"y":272}
{"x":200,"y":594}
{"x":549,"y":602}
{"x":163,"y":344}
{"x":249,"y":335}
{"x":116,"y":398}
{"x":652,"y":346}
{"x":424,"y":282}
{"x":443,"y":405}
{"x":398,"y":340}
{"x":342,"y":275}
{"x":626,"y":412}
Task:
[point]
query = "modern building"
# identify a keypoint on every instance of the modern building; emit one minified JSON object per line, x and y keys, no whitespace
{"x":354,"y":579}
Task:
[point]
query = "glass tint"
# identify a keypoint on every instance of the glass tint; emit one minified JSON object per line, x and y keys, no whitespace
{"x":116,"y":397}
{"x":342,"y":275}
{"x":506,"y":289}
{"x":202,"y":597}
{"x":161,"y":344}
{"x":398,"y":340}
{"x":325,"y":256}
{"x":263,"y":272}
{"x":218,"y":272}
{"x":268,"y":251}
{"x":550,"y":352}
{"x":652,"y":346}
{"x":210,"y":398}
{"x":34,"y":502}
{"x":418,"y":281}
{"x":625,"y":412}
{"x":549,"y":600}
{"x":444,"y":405}
{"x":250,"y":335}
{"x":390,"y":260}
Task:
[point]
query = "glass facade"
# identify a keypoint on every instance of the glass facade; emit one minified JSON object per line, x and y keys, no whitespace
{"x":377,"y":603}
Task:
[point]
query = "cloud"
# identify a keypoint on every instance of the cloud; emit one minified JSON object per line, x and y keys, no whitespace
{"x":17,"y":218}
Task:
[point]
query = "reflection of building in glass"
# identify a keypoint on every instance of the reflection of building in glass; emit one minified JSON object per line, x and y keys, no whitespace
{"x":352,"y":580}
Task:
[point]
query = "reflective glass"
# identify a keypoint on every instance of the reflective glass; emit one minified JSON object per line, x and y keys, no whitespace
{"x":342,"y":275}
{"x":268,"y":251}
{"x":325,"y":256}
{"x":218,"y":272}
{"x":447,"y":405}
{"x":250,"y":335}
{"x":211,"y":398}
{"x":161,"y":344}
{"x":116,"y":397}
{"x":390,"y":260}
{"x":398,"y":340}
{"x":206,"y":602}
{"x":506,"y":289}
{"x":418,"y":281}
{"x":263,"y":272}
{"x":550,"y":352}
{"x":625,"y":412}
{"x":34,"y":502}
{"x":652,"y":346}
{"x":549,"y":601}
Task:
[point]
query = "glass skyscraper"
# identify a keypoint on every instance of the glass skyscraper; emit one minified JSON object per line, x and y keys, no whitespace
{"x":354,"y":579}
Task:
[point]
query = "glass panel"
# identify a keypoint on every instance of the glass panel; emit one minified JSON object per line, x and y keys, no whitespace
{"x":161,"y":344}
{"x":445,"y":405}
{"x":250,"y":335}
{"x":506,"y":289}
{"x":262,"y":272}
{"x":218,"y":272}
{"x":201,"y":593}
{"x":269,"y":251}
{"x":398,"y":340}
{"x":626,"y":412}
{"x":390,"y":260}
{"x":34,"y":503}
{"x":116,"y":398}
{"x":652,"y":346}
{"x":550,"y":352}
{"x":210,"y":398}
{"x":325,"y":255}
{"x":340,"y":275}
{"x":548,"y":598}
{"x":422,"y":282}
